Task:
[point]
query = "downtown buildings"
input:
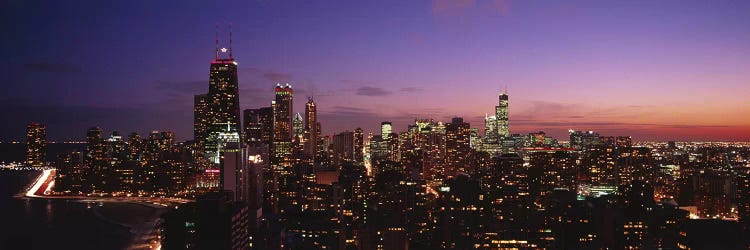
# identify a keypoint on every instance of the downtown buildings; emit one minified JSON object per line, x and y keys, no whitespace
{"x":278,"y":183}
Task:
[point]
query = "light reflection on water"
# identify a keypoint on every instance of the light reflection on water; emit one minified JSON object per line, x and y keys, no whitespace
{"x":63,"y":224}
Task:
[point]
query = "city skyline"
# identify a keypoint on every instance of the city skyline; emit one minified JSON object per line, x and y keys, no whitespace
{"x":649,"y":70}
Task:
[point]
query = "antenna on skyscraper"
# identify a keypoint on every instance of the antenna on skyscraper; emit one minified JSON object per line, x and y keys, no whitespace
{"x":230,"y":41}
{"x":506,"y":89}
{"x":217,"y":41}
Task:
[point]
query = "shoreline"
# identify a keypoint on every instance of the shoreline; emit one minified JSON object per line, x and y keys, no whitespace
{"x":143,"y":234}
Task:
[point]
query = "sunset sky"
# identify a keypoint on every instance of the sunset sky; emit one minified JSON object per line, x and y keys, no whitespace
{"x":655,"y":70}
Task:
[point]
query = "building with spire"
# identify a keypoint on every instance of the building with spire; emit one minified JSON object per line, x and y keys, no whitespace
{"x":496,"y":130}
{"x":217,"y":127}
{"x":501,"y":115}
{"x":312,"y":133}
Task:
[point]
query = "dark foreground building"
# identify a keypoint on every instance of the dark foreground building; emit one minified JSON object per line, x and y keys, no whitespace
{"x":214,"y":221}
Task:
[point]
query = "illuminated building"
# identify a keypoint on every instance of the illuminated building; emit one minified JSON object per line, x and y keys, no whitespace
{"x":358,"y":145}
{"x":490,"y":129}
{"x":583,"y":140}
{"x":312,"y":130}
{"x":501,"y":115}
{"x":217,"y":113}
{"x":282,"y":125}
{"x":213,"y":221}
{"x":71,"y":174}
{"x":201,"y":115}
{"x":135,"y":147}
{"x":36,"y":144}
{"x":258,"y":126}
{"x":343,"y":147}
{"x":386,"y":129}
{"x":457,"y":145}
{"x":714,"y":192}
{"x":298,"y":127}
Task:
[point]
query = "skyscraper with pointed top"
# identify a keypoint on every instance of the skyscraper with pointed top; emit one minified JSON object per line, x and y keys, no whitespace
{"x":311,"y":128}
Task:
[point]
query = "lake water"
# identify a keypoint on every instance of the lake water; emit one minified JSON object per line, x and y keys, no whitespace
{"x":51,"y":224}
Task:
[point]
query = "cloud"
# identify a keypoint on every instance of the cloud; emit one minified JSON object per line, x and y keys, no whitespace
{"x":277,"y":77}
{"x":357,"y":82}
{"x":349,"y":109}
{"x":372,"y":91}
{"x":47,"y":67}
{"x":410,"y":89}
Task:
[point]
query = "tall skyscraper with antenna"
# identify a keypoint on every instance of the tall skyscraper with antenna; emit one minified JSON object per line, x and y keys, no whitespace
{"x":217,"y":113}
{"x":501,"y":115}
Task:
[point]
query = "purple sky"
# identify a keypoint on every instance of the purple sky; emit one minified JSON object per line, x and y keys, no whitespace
{"x":656,"y":70}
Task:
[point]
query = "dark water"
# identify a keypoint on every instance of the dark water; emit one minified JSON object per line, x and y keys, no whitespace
{"x":17,"y":152}
{"x":51,"y":224}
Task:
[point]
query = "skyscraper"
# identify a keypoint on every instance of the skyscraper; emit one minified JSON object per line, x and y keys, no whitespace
{"x":490,"y":129}
{"x":36,"y":144}
{"x":224,"y":96}
{"x":258,"y":125}
{"x":217,"y":113}
{"x":298,"y":126}
{"x":311,"y":127}
{"x":457,"y":145}
{"x":359,"y":141}
{"x":501,"y":115}
{"x":201,"y":114}
{"x":282,"y":124}
{"x":386,"y":129}
{"x":343,"y":147}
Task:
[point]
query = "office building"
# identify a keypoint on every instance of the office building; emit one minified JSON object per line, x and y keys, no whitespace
{"x":36,"y":145}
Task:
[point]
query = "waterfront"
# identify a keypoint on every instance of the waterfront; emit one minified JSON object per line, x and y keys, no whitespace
{"x":63,"y":224}
{"x":16,"y":152}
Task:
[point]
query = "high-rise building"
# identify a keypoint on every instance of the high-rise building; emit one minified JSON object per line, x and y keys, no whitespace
{"x":298,"y":127}
{"x":583,"y":140}
{"x":386,"y":129}
{"x":213,"y":221}
{"x":36,"y":144}
{"x":491,"y":134}
{"x":343,"y":147}
{"x":282,"y":124}
{"x":93,"y":136}
{"x":201,"y":114}
{"x":311,"y":128}
{"x":234,"y":174}
{"x":258,"y":125}
{"x":358,"y":145}
{"x":217,"y":113}
{"x":501,"y":115}
{"x":251,"y":126}
{"x":457,"y":145}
